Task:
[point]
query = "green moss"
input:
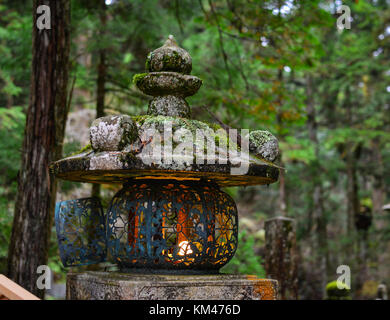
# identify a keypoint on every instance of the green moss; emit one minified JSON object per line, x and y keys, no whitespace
{"x":88,"y":147}
{"x":213,"y":125}
{"x":217,"y":141}
{"x":334,"y":293}
{"x":138,"y":77}
{"x":171,"y":61}
{"x":191,"y":125}
{"x":130,"y":137}
{"x":140,"y":119}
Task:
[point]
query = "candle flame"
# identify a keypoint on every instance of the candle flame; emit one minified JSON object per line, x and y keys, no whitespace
{"x":185,"y":248}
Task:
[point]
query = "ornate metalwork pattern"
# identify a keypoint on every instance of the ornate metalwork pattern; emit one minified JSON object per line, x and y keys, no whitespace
{"x":81,"y":231}
{"x":170,"y":224}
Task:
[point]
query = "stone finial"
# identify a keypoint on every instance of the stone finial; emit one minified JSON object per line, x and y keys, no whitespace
{"x":169,"y":57}
{"x":168,"y":80}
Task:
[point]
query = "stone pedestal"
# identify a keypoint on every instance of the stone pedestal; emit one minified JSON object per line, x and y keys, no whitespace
{"x":123,"y":286}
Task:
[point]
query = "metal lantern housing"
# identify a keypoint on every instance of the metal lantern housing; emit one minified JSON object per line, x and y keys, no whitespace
{"x":81,"y":231}
{"x":171,"y":225}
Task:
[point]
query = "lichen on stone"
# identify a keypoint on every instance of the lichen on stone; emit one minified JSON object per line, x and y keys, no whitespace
{"x":192,"y":141}
{"x":112,"y":133}
{"x":169,"y":57}
{"x":194,"y":135}
{"x":177,"y":123}
{"x":169,"y":105}
{"x":264,"y":144}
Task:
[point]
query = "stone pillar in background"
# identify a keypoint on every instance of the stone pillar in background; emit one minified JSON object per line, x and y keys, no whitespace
{"x":281,"y":255}
{"x":382,"y":292}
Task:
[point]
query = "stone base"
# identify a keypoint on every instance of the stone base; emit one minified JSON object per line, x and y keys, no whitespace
{"x":93,"y":285}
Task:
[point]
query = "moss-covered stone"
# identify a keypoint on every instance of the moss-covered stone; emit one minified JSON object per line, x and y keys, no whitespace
{"x":264,"y":145}
{"x":192,"y":141}
{"x":113,"y":133}
{"x":138,"y":77}
{"x":167,"y":83}
{"x":337,"y":290}
{"x":169,"y":57}
{"x":213,"y":131}
{"x":169,"y":105}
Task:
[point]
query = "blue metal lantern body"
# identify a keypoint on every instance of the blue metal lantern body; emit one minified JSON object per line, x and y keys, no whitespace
{"x":156,"y":226}
{"x":162,"y":225}
{"x":81,"y":231}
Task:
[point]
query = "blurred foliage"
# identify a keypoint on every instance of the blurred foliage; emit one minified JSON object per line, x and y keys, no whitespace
{"x":11,"y":129}
{"x":245,"y":261}
{"x":370,"y":290}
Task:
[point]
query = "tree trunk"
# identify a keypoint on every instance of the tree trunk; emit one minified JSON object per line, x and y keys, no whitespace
{"x":352,"y":187}
{"x":378,"y":186}
{"x":318,"y":232}
{"x":283,"y":202}
{"x":282,"y":180}
{"x":282,"y":192}
{"x":378,"y":200}
{"x":101,"y":80}
{"x":44,"y":133}
{"x":352,"y":154}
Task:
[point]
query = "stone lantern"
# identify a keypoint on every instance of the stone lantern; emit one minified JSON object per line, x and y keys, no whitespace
{"x":171,"y":227}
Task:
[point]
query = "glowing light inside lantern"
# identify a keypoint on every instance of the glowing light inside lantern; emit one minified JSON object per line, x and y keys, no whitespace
{"x":185,"y":248}
{"x":172,"y":224}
